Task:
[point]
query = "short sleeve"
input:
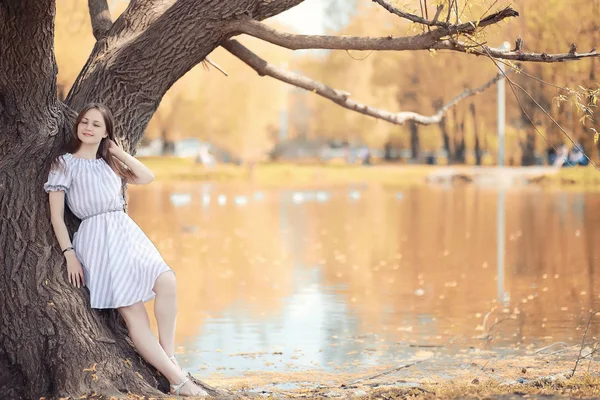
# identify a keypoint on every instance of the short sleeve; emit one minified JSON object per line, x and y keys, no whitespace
{"x":59,"y":177}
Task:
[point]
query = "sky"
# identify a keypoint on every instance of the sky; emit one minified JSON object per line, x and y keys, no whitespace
{"x":307,"y":18}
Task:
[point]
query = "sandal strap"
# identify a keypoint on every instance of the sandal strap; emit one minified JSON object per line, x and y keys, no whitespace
{"x":177,"y":388}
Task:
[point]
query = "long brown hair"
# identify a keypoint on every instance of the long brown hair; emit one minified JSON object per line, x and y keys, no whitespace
{"x":75,"y":143}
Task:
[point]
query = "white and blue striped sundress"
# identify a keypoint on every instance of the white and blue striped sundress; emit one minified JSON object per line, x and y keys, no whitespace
{"x":120,"y":262}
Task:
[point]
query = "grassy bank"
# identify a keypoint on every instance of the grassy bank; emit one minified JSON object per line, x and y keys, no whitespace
{"x":278,"y":174}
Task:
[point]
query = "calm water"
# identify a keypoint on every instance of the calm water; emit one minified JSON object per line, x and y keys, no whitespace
{"x":337,"y":278}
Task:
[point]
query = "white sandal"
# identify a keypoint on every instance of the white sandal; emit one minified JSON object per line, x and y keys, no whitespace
{"x":175,"y":389}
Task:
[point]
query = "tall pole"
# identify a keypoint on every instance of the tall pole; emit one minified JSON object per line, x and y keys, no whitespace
{"x":500,"y":234}
{"x":501,"y":109}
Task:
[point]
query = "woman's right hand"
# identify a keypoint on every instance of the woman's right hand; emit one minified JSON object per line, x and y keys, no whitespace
{"x":74,"y":269}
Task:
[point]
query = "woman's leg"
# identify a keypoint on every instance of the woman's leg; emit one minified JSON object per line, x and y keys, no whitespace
{"x":146,"y":344}
{"x":165,"y":310}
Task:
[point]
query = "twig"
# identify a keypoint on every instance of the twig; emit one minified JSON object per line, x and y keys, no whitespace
{"x":211,"y":62}
{"x":562,"y":351}
{"x":389,"y":371}
{"x":592,"y":313}
{"x":592,"y":356}
{"x":437,"y":13}
{"x":549,"y":346}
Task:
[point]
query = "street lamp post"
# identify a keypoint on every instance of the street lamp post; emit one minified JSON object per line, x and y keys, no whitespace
{"x":500,"y":207}
{"x":501,"y":109}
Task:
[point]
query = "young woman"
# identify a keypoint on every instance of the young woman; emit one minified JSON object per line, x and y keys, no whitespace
{"x":110,"y":254}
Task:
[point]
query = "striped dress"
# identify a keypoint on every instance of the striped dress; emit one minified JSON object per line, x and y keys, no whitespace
{"x":120,"y":263}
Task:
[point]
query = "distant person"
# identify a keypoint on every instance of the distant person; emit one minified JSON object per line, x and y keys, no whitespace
{"x":109,"y":253}
{"x":365,"y":155}
{"x":576,"y":157}
{"x":551,"y":155}
{"x":561,"y":156}
{"x":203,"y":156}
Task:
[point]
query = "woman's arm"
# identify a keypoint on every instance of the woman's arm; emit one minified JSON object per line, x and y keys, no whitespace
{"x":143,"y":175}
{"x":57,"y":212}
{"x":57,"y":217}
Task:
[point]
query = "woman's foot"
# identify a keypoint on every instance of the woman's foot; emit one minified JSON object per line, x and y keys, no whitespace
{"x":187,"y":388}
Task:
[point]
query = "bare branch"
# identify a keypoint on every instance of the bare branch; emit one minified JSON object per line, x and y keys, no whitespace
{"x":339,"y":97}
{"x":425,"y":41}
{"x":297,"y":42}
{"x":100,"y":15}
{"x":483,"y":50}
{"x":446,"y":27}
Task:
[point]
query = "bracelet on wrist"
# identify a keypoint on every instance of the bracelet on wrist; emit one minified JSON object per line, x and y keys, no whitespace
{"x":67,"y":249}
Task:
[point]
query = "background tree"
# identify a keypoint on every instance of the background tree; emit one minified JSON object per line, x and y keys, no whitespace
{"x":51,"y":343}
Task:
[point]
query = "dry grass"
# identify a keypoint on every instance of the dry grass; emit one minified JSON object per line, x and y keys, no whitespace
{"x":584,"y":386}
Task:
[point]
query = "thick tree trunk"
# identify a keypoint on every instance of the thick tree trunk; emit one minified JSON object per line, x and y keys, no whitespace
{"x":51,"y":343}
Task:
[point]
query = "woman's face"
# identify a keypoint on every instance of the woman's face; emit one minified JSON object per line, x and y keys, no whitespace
{"x":92,"y":129}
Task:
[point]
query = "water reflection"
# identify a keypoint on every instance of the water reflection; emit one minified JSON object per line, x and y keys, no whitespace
{"x":331,"y":279}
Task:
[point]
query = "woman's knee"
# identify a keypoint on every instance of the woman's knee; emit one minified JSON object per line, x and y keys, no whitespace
{"x":133,"y":313}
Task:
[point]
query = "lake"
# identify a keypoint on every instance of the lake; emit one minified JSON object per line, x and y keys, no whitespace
{"x":340,"y":278}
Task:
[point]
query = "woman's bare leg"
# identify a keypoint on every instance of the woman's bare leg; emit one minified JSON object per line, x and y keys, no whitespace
{"x":146,"y":344}
{"x":165,"y":311}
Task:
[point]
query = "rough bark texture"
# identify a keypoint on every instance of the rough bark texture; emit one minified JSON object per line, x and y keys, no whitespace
{"x":51,"y":343}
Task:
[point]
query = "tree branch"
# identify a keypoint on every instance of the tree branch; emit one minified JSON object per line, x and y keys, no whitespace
{"x":100,"y":16}
{"x":339,"y":97}
{"x":298,"y":42}
{"x":425,"y":41}
{"x":483,"y":50}
{"x":446,"y":27}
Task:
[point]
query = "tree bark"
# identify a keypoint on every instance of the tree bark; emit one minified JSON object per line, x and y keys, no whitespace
{"x":51,"y":343}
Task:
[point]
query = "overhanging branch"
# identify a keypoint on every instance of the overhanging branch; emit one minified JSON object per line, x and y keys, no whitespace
{"x":483,"y":50}
{"x":425,"y":41}
{"x":446,"y":27}
{"x":263,"y":68}
{"x":100,"y":16}
{"x":298,"y":42}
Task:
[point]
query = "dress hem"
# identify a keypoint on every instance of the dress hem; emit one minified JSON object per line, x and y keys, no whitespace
{"x":143,"y":300}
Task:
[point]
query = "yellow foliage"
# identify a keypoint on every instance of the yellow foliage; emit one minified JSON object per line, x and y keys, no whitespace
{"x":242,"y":112}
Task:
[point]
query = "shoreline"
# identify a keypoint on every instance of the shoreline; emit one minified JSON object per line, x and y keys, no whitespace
{"x":281,"y":174}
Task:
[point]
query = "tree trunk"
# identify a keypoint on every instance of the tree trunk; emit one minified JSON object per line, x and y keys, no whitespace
{"x":414,"y":141}
{"x":478,"y":152}
{"x":459,"y":139}
{"x":51,"y":343}
{"x":446,"y":139}
{"x":528,"y":149}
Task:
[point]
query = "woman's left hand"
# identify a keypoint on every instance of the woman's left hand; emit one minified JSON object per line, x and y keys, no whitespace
{"x":113,"y":148}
